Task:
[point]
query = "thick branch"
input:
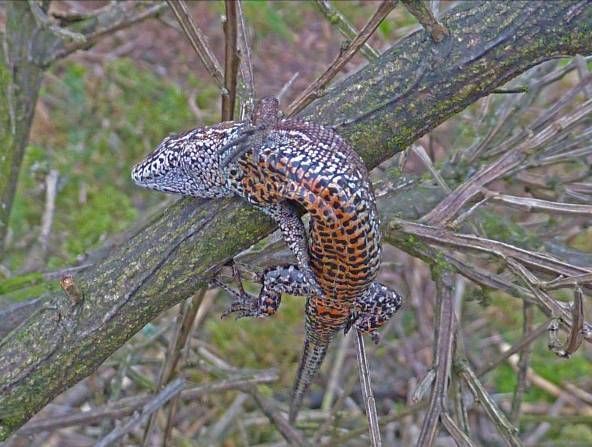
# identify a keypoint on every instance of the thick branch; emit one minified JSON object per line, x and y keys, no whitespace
{"x":405,"y":93}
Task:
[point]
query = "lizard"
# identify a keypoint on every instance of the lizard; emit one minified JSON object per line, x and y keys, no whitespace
{"x":281,"y":165}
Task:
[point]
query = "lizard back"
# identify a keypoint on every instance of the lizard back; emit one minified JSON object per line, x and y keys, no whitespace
{"x":315,"y":168}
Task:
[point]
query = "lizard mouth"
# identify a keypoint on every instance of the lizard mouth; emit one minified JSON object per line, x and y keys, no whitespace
{"x":141,"y":176}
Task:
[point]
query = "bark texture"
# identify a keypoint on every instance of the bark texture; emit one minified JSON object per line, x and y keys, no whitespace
{"x":383,"y":108}
{"x":20,"y":79}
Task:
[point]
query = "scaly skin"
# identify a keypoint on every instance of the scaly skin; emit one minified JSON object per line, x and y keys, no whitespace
{"x":286,"y":164}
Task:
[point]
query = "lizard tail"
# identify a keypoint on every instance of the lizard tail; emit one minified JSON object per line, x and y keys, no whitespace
{"x":310,"y":363}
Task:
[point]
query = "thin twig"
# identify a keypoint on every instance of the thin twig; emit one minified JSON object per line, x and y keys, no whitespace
{"x":574,"y":399}
{"x":151,"y":406}
{"x":526,"y":340}
{"x":111,"y":19}
{"x":51,"y":187}
{"x":367,"y":393}
{"x":528,"y":316}
{"x":444,"y":340}
{"x":314,"y":90}
{"x":231,"y":60}
{"x":497,"y":416}
{"x":336,"y":371}
{"x":216,"y":433}
{"x":246,"y":65}
{"x":537,"y":434}
{"x":575,"y":337}
{"x":421,"y":153}
{"x":284,"y":90}
{"x":448,"y":208}
{"x":191,"y":321}
{"x":125,"y":407}
{"x":425,"y":16}
{"x":537,"y":260}
{"x":530,"y":204}
{"x":170,"y":365}
{"x":334,"y":17}
{"x":569,"y":281}
{"x":290,"y":434}
{"x":459,"y":436}
{"x":198,"y":40}
{"x":486,"y":278}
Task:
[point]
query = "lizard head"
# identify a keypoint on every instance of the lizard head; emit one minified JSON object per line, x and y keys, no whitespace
{"x":188,"y":163}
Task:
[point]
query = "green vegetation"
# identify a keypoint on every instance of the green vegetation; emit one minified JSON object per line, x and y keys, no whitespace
{"x":96,"y":128}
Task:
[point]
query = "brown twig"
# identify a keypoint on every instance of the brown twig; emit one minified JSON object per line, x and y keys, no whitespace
{"x":526,"y":340}
{"x":111,"y":19}
{"x":336,"y":371}
{"x":150,"y":407}
{"x":198,"y":40}
{"x":51,"y":187}
{"x":170,"y":365}
{"x":536,"y":260}
{"x":428,"y":21}
{"x":314,"y":90}
{"x":575,"y":337}
{"x":367,"y":393}
{"x":497,"y":416}
{"x":37,"y":256}
{"x":125,"y":407}
{"x":334,"y":17}
{"x":448,"y":208}
{"x":549,"y":387}
{"x":537,"y":205}
{"x":246,"y":65}
{"x":525,"y":352}
{"x":569,"y":281}
{"x":290,"y":434}
{"x":470,"y":270}
{"x":217,"y":432}
{"x":191,"y":321}
{"x":444,"y":340}
{"x":231,"y":60}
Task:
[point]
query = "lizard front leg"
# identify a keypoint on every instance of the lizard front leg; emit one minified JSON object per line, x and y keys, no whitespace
{"x":275,"y":281}
{"x":374,"y":308}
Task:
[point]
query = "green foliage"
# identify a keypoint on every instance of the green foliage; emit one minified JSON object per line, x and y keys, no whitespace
{"x":106,"y":212}
{"x":505,"y":316}
{"x":505,"y":230}
{"x":583,"y":240}
{"x":262,"y":343}
{"x":280,"y":18}
{"x":98,"y":127}
{"x":580,"y":433}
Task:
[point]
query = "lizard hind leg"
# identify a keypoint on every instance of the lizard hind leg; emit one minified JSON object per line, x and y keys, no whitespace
{"x":374,"y":308}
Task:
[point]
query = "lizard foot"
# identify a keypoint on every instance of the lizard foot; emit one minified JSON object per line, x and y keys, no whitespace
{"x":243,"y":306}
{"x":247,"y":305}
{"x":374,"y":309}
{"x":359,"y":321}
